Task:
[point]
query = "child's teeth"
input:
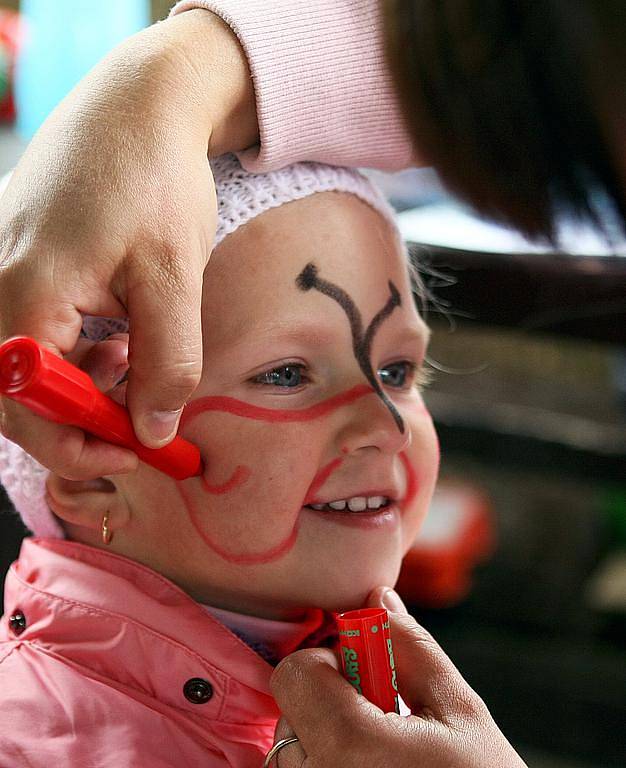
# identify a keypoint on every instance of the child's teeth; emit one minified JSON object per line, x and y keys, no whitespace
{"x":355,"y":504}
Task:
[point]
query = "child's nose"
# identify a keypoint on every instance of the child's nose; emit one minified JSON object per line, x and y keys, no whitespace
{"x":371,"y":425}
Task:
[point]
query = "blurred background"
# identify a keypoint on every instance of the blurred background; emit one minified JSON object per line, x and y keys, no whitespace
{"x":520,"y":570}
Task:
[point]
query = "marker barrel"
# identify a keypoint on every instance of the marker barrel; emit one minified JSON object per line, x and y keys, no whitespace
{"x":367,"y":656}
{"x":55,"y":389}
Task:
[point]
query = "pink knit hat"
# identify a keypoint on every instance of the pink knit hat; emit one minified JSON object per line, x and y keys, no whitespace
{"x":241,"y":196}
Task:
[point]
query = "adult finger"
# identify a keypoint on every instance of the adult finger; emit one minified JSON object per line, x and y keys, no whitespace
{"x":164,"y":295}
{"x":291,"y":755}
{"x":427,"y":679}
{"x":385,"y":597}
{"x":44,"y":296}
{"x":66,"y":450}
{"x":324,"y":710}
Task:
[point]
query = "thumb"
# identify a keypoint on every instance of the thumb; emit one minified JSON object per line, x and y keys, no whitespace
{"x":385,"y":597}
{"x":428,"y":681}
{"x":165,"y":351}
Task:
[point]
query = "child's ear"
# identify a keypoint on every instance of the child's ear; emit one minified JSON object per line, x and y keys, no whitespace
{"x":82,"y":504}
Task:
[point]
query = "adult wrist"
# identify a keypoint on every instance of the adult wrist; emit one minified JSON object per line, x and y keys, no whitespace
{"x":196,"y":74}
{"x":204,"y":45}
{"x":323,"y":90}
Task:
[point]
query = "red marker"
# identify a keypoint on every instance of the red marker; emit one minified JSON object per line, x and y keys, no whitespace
{"x":367,"y":656}
{"x":57,"y":390}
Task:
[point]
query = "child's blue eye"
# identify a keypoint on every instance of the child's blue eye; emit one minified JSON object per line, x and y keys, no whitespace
{"x":289,"y":376}
{"x":397,"y":375}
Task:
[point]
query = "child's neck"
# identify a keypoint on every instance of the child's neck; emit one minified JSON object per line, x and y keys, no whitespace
{"x":273,"y":639}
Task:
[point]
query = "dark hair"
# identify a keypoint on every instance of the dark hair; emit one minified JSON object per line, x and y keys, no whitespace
{"x":518,"y":104}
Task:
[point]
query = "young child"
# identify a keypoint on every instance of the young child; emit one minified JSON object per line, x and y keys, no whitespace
{"x":142,"y":621}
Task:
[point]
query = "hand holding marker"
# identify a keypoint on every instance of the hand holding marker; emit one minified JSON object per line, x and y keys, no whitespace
{"x":57,"y":390}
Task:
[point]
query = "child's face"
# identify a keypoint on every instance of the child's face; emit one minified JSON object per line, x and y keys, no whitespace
{"x":286,"y":419}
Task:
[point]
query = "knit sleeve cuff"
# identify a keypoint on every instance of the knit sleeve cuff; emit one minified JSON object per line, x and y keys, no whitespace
{"x":323,"y":90}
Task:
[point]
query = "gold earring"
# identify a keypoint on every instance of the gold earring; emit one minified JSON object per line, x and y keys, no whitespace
{"x":107,"y":533}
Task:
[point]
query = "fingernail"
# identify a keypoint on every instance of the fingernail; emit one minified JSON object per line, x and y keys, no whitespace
{"x":120,"y":374}
{"x":392,"y":602}
{"x":161,"y":425}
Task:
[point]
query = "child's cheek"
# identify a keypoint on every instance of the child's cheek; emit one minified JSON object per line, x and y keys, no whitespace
{"x":425,"y":441}
{"x":257,"y":475}
{"x":423,"y":455}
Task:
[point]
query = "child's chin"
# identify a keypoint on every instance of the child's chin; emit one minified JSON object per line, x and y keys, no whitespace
{"x":347,"y":600}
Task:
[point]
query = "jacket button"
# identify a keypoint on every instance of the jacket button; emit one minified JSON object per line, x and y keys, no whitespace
{"x":17,"y":622}
{"x":197,"y":690}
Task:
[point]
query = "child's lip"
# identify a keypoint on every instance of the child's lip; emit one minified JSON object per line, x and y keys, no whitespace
{"x":373,"y":519}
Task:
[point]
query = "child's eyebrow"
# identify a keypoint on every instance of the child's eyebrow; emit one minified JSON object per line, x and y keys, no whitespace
{"x":321,"y":333}
{"x":313,"y":331}
{"x":419,"y":336}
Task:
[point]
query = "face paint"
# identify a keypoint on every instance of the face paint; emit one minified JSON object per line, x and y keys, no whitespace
{"x":283,"y":547}
{"x":259,"y":558}
{"x":242,"y":473}
{"x":361,"y":342}
{"x":269,"y":555}
{"x":319,"y":479}
{"x":412,"y":484}
{"x":239,"y":408}
{"x":239,"y":477}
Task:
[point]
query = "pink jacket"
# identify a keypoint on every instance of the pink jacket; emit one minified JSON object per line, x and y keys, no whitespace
{"x":323,"y":90}
{"x":106,"y":664}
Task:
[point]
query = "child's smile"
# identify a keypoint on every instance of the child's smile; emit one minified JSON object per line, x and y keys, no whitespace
{"x":373,"y":507}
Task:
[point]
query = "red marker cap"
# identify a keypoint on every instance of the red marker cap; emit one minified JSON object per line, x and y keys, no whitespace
{"x":367,"y":656}
{"x":57,"y":390}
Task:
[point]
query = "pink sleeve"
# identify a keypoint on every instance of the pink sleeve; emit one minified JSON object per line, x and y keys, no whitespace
{"x":322,"y":87}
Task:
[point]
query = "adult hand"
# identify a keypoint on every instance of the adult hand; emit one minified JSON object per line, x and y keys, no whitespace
{"x":112,"y":211}
{"x":106,"y":362}
{"x":451,"y":726}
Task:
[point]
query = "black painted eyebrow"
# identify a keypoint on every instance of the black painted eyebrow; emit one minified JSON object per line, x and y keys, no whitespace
{"x":308,"y":279}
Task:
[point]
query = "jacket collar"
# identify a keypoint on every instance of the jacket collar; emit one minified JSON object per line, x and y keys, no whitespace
{"x":107,"y":613}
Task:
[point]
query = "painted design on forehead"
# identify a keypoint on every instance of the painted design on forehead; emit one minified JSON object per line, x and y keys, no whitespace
{"x":361,"y":341}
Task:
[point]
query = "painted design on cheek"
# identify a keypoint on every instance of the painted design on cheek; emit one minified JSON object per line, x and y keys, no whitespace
{"x":239,"y":477}
{"x":252,"y":558}
{"x":283,"y":547}
{"x":361,"y":342}
{"x":242,"y":473}
{"x":412,"y":485}
{"x":319,"y":479}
